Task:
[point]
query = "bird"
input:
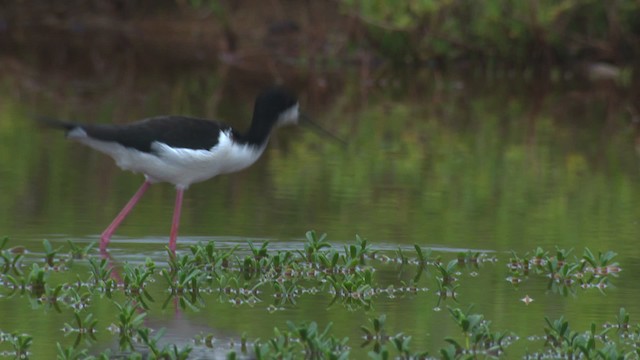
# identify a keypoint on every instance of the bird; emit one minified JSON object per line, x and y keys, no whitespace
{"x":183,"y":150}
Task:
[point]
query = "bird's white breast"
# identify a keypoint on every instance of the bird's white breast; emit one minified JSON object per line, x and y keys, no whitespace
{"x":179,"y":166}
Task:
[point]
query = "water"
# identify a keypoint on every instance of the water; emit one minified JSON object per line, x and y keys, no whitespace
{"x":491,"y":165}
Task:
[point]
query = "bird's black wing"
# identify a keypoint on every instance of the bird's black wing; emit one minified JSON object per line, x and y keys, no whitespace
{"x":175,"y":131}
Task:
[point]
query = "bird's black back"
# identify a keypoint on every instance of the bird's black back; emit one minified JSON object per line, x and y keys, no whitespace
{"x":175,"y":131}
{"x":187,"y":132}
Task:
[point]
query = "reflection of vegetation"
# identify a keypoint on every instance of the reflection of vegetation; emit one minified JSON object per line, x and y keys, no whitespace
{"x":19,"y":342}
{"x":560,"y":341}
{"x":465,"y":173}
{"x":349,"y":277}
{"x":565,"y":275}
{"x":417,"y":168}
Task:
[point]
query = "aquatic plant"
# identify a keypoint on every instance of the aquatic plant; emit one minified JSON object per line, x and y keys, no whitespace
{"x":347,"y":275}
{"x":479,"y":340}
{"x":10,"y":258}
{"x":135,"y":280}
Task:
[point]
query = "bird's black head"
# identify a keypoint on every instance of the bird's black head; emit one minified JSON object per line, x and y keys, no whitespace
{"x":275,"y":106}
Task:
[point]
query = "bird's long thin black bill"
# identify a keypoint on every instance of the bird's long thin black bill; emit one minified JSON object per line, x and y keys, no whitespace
{"x":305,"y":120}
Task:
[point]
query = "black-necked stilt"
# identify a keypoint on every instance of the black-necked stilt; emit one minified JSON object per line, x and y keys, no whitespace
{"x":183,"y":150}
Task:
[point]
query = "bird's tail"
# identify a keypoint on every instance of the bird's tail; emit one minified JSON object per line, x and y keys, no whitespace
{"x":49,"y":122}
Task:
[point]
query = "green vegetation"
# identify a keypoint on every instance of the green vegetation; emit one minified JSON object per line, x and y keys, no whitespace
{"x":501,"y":33}
{"x":248,"y":277}
{"x":492,"y":36}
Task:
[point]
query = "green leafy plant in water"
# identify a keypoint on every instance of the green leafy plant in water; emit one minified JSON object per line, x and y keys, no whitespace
{"x":261,"y":252}
{"x":353,"y":289}
{"x":50,"y":253}
{"x":402,"y":346}
{"x":184,"y":279}
{"x":101,"y":276}
{"x":257,"y":262}
{"x":401,"y":343}
{"x":34,"y":282}
{"x":21,"y":344}
{"x":243,"y":342}
{"x":409,"y":287}
{"x":169,"y":351}
{"x":51,"y":296}
{"x":401,"y":258}
{"x":448,"y":272}
{"x":280,"y":346}
{"x":71,"y":353}
{"x":469,"y":258}
{"x":84,"y":327}
{"x":357,"y":253}
{"x":565,"y":275}
{"x":622,"y":321}
{"x":341,"y":273}
{"x":560,"y":341}
{"x":130,"y":320}
{"x":78,"y":252}
{"x":445,"y":292}
{"x":376,"y":334}
{"x":601,"y":265}
{"x":540,"y":257}
{"x":423,"y":260}
{"x":479,"y":340}
{"x":135,"y":280}
{"x":424,"y":257}
{"x":314,"y":245}
{"x":10,"y":258}
{"x":525,"y":264}
{"x":280,"y":261}
{"x":302,"y":341}
{"x":183,"y":274}
{"x":210,"y":258}
{"x":37,"y":280}
{"x":559,"y":336}
{"x":564,"y":342}
{"x":251,"y":267}
{"x":71,"y":297}
{"x":286,"y":292}
{"x":562,"y":255}
{"x":329,"y":261}
{"x":319,"y":345}
{"x":228,"y":285}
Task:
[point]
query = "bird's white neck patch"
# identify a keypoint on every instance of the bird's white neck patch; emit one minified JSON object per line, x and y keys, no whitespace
{"x":289,"y":116}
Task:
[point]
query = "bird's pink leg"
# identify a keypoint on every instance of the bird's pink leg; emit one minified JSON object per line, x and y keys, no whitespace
{"x":106,"y":234}
{"x":176,"y":220}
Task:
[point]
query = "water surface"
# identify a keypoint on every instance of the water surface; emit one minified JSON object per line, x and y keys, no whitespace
{"x":495,"y":165}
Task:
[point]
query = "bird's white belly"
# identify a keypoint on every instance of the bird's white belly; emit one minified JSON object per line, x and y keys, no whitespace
{"x":180,"y":166}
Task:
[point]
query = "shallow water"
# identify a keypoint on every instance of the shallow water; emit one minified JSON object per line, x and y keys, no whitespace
{"x":446,"y":164}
